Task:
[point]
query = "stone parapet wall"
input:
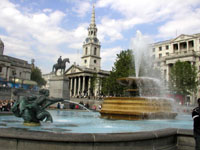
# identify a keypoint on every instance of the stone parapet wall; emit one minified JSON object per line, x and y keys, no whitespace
{"x":166,"y":139}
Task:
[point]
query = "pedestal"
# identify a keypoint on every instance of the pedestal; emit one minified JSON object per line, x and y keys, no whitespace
{"x":59,"y":87}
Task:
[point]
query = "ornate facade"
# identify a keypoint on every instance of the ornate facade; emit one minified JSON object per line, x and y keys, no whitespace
{"x":85,"y":80}
{"x":183,"y":48}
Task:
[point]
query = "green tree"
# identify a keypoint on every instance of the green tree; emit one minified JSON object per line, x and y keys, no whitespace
{"x":36,"y":75}
{"x":183,"y":78}
{"x":123,"y":67}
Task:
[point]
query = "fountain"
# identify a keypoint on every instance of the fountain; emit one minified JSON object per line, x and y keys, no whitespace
{"x":87,"y":130}
{"x":144,"y":97}
{"x":142,"y":101}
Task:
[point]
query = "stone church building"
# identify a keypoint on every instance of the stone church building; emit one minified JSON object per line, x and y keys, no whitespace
{"x":86,"y":79}
{"x":80,"y":77}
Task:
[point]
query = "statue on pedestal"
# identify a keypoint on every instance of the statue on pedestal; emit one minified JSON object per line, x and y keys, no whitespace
{"x":61,"y":64}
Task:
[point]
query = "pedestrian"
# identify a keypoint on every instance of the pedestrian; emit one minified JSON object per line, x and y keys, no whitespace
{"x":196,"y":125}
{"x":58,"y":105}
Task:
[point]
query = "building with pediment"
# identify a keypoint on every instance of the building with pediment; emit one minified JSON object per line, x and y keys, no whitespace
{"x":183,"y":48}
{"x":86,"y":79}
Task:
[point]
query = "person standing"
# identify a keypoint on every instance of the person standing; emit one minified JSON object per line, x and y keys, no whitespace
{"x":196,"y":125}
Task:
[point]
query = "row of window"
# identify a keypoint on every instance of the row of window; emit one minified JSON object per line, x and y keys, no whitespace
{"x":95,"y":51}
{"x":182,"y":45}
{"x":160,"y":48}
{"x":91,"y":33}
{"x":160,"y":55}
{"x":95,"y":61}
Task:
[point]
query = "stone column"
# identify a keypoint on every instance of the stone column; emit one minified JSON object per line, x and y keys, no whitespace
{"x":7,"y":73}
{"x":89,"y":86}
{"x":79,"y":85}
{"x":75,"y":80}
{"x":71,"y":82}
{"x":83,"y":86}
{"x":187,"y":46}
{"x":179,"y":50}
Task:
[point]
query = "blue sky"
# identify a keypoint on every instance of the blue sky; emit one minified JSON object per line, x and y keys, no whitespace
{"x":46,"y":29}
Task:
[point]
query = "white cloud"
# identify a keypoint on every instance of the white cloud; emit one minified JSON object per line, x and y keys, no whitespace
{"x":108,"y":56}
{"x":81,"y":8}
{"x":175,"y":13}
{"x":180,"y":24}
{"x":47,"y":10}
{"x":18,"y":47}
{"x":41,"y":34}
{"x":37,"y":34}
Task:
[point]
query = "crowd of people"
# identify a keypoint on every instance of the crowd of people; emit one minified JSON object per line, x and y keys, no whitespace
{"x":5,"y":105}
{"x":81,"y":106}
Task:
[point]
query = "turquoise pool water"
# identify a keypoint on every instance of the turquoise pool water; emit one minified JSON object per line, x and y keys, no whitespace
{"x":90,"y":122}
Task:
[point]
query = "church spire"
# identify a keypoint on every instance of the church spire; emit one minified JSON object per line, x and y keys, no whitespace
{"x":92,"y":24}
{"x":91,"y":47}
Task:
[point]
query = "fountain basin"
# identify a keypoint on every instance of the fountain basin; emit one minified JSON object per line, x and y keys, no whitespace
{"x":165,"y":139}
{"x":86,"y":130}
{"x":143,"y":100}
{"x":136,"y":108}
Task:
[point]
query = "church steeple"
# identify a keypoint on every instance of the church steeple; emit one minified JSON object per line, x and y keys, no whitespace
{"x":92,"y":29}
{"x":91,"y":47}
{"x":93,"y":24}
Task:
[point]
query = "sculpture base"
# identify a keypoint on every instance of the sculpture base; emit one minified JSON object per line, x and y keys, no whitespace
{"x":58,"y":87}
{"x":33,"y":124}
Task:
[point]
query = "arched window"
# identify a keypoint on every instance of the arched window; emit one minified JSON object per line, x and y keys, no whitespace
{"x":85,"y":61}
{"x":86,"y":51}
{"x":91,"y":32}
{"x":95,"y":51}
{"x":95,"y":61}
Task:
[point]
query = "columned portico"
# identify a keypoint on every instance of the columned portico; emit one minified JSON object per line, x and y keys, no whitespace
{"x":81,"y":76}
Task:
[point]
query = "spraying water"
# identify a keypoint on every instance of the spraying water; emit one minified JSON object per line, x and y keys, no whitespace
{"x":82,"y":106}
{"x":141,"y":51}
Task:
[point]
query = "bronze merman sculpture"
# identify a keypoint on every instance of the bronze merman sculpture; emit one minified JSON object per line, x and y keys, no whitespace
{"x":32,"y":108}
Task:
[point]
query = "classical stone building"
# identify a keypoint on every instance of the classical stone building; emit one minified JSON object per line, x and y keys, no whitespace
{"x":183,"y":48}
{"x":85,"y":79}
{"x":13,"y":71}
{"x":89,"y":72}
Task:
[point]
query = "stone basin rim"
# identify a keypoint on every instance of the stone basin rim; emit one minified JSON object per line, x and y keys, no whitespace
{"x":90,"y":137}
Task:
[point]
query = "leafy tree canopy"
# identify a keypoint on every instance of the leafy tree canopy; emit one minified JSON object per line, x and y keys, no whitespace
{"x":36,"y":75}
{"x":183,"y":78}
{"x":123,"y":67}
